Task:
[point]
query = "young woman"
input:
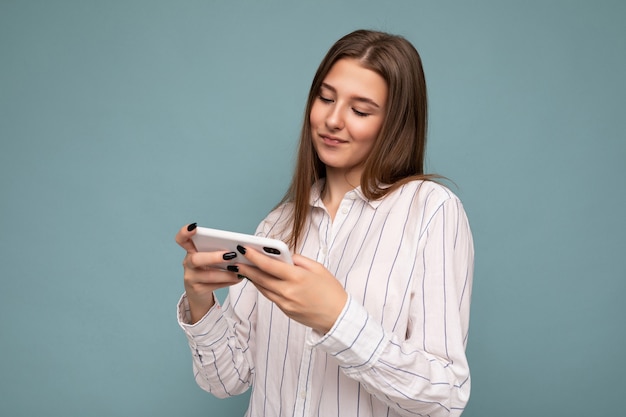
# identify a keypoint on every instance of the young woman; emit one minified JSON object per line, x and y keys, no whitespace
{"x":372,"y":320}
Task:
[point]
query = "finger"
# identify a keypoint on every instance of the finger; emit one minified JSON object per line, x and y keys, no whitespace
{"x":267,"y":285}
{"x":269,"y":265}
{"x":202,"y":260}
{"x":306,"y":263}
{"x":183,"y":237}
{"x":270,"y":295}
{"x":198,"y":279}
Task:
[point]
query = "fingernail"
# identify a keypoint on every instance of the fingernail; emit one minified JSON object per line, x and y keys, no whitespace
{"x":233,"y":268}
{"x":230,"y":255}
{"x":241,"y":276}
{"x":241,"y":249}
{"x":191,"y":227}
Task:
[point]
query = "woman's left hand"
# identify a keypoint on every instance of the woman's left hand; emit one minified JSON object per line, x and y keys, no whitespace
{"x":306,"y":291}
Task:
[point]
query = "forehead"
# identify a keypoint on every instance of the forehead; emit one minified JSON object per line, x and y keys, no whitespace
{"x":348,"y":77}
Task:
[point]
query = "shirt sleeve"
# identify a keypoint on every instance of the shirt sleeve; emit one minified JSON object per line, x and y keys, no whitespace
{"x":219,"y":348}
{"x":223,"y":341}
{"x":425,"y":372}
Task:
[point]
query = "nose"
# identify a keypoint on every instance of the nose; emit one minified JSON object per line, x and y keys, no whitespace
{"x":334,"y":118}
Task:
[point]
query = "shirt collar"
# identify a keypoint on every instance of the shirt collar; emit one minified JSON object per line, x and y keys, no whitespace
{"x":315,"y":200}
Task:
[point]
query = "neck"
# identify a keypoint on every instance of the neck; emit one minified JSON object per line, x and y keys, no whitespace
{"x":336,"y":186}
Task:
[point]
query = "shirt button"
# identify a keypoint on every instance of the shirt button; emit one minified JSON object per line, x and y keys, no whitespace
{"x":344,"y":210}
{"x":303,"y":394}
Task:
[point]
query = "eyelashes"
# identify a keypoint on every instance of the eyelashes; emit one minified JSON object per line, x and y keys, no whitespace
{"x":327,"y":100}
{"x":324,"y":99}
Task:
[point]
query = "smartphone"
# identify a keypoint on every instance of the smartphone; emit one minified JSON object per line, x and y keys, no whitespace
{"x":211,"y":240}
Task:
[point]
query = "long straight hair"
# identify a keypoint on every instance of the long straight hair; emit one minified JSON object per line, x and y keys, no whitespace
{"x":398,"y":153}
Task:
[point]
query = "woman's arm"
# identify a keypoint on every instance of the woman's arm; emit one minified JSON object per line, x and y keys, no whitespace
{"x":422,"y":370}
{"x":425,"y":372}
{"x":221,"y":344}
{"x":218,"y":337}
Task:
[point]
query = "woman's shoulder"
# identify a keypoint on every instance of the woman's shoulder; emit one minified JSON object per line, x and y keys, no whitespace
{"x":432,"y":193}
{"x":423,"y":200}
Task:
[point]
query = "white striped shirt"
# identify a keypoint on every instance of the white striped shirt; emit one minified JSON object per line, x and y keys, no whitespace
{"x":398,"y":347}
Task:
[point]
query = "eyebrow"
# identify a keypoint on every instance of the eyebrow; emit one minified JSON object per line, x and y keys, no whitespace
{"x":357,"y":98}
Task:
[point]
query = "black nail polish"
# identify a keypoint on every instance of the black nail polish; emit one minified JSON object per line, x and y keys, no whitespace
{"x":230,"y":255}
{"x":191,"y":227}
{"x":241,"y":249}
{"x":241,"y":276}
{"x":233,"y":268}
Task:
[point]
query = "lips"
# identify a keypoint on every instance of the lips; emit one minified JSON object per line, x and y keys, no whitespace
{"x":332,"y":140}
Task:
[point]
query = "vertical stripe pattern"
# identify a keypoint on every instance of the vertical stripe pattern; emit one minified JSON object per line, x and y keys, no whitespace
{"x":398,"y":346}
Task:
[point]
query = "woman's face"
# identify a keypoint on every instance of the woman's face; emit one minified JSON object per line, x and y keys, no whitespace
{"x":347,"y":116}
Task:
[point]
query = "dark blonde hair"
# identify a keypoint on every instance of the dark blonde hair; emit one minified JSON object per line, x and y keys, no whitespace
{"x":398,"y":153}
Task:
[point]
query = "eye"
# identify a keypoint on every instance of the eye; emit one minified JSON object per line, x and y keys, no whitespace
{"x":325,"y":99}
{"x":360,"y":113}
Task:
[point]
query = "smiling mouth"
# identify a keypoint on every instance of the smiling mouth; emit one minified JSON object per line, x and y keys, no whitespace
{"x":332,"y":140}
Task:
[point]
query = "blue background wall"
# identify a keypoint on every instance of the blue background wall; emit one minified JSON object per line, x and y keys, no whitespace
{"x":120,"y":121}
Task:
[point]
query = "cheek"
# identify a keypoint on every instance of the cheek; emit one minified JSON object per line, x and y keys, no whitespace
{"x":315,"y":115}
{"x":367,"y":131}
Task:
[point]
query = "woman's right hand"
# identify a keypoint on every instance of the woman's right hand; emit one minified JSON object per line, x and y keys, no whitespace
{"x":200,"y":277}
